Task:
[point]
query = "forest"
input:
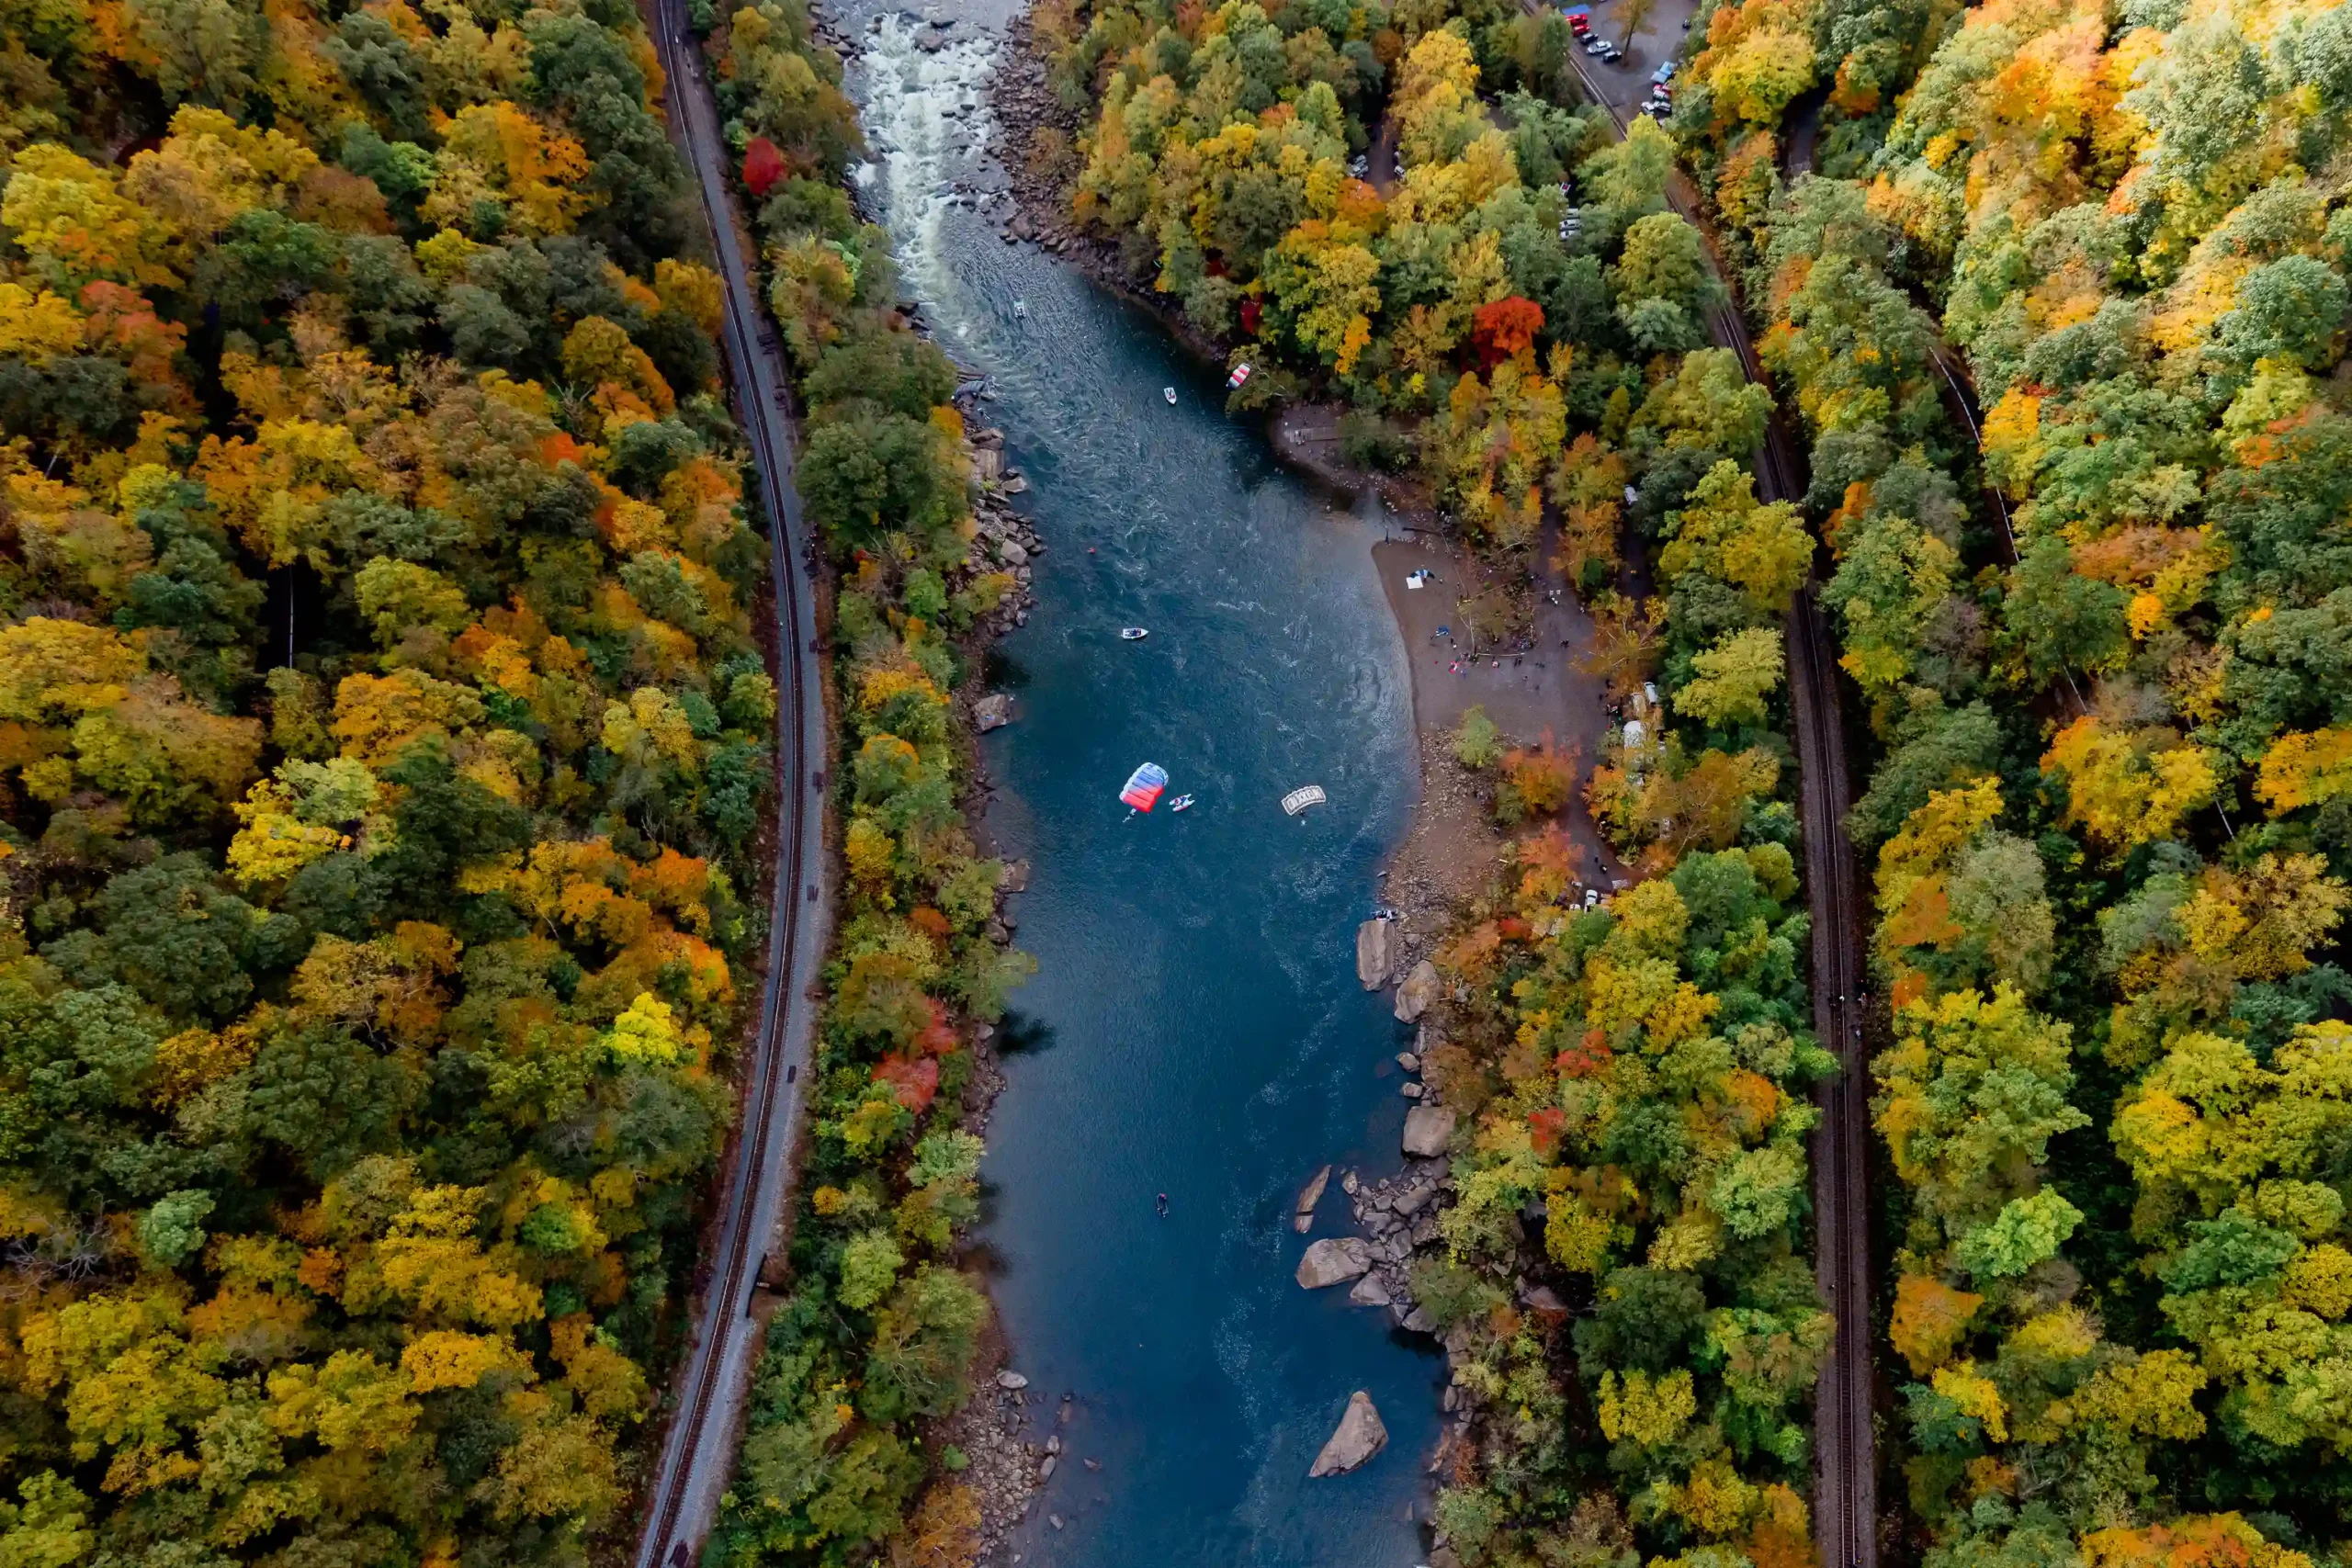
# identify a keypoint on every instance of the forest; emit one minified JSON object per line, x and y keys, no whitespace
{"x":2100,"y":649}
{"x":2057,"y":310}
{"x":386,"y":741}
{"x":386,"y":752}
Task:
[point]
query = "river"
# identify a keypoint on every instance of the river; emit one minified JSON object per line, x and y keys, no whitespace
{"x":1195,"y":1027}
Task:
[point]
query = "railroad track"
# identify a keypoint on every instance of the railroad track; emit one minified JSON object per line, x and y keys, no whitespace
{"x":1846,"y":1447}
{"x":697,"y":1452}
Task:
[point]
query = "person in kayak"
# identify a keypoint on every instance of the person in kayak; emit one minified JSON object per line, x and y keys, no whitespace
{"x":1162,"y":1206}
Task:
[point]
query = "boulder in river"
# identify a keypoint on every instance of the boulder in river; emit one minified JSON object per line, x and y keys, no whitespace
{"x":1427,"y":1130}
{"x":1418,"y":990}
{"x":1011,"y":1381}
{"x":1334,"y":1260}
{"x":1369,"y":1292}
{"x":1013,"y":878}
{"x":1303,"y":1215}
{"x":992,"y":712}
{"x":1372,"y":954}
{"x":1358,"y":1437}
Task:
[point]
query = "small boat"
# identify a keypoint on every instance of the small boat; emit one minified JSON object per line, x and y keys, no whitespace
{"x":1134,"y":634}
{"x":1144,"y":786}
{"x":1169,"y":393}
{"x":1021,"y":307}
{"x":1241,"y":374}
{"x":1302,"y":797}
{"x":1182,"y":803}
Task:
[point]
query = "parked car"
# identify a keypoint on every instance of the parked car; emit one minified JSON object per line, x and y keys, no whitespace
{"x":1595,"y":46}
{"x":1612,"y":55}
{"x":1357,"y":165}
{"x":1663,"y":74}
{"x":1579,"y":26}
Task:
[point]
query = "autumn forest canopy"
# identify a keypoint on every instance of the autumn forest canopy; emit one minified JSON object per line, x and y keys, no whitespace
{"x":385,"y":756}
{"x":368,"y":982}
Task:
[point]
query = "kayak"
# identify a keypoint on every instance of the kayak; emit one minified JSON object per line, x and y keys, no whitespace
{"x":1134,"y":634}
{"x":1144,"y":786}
{"x":1182,"y":803}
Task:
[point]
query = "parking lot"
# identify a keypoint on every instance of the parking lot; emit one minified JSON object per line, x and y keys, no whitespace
{"x":1625,"y":85}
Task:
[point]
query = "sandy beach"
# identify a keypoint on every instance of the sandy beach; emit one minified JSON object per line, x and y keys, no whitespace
{"x":1449,"y":853}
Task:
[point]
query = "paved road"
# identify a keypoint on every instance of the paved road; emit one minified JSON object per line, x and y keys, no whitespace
{"x":1846,"y":1489}
{"x":698,"y":1449}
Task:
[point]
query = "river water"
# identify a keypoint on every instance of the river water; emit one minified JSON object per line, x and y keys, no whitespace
{"x":1195,"y":1027}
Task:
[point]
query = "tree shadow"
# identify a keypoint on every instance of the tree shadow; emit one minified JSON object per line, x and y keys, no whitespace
{"x":982,"y":1258}
{"x":1021,"y":1035}
{"x":999,"y":671}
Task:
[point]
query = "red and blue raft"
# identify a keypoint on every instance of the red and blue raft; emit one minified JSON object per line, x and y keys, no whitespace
{"x":1144,"y":786}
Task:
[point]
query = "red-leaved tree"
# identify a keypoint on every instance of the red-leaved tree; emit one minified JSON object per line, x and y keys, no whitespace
{"x":763,"y":165}
{"x":1502,"y":328}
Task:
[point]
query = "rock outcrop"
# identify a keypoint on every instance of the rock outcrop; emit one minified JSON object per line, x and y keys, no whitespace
{"x":1418,"y":991}
{"x":1358,"y":1437}
{"x":1303,"y":1215}
{"x":992,"y":712}
{"x":1427,"y":1130}
{"x":1334,"y":1260}
{"x":1373,"y":958}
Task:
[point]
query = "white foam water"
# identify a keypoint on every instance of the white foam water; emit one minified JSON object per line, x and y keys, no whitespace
{"x":929,"y":125}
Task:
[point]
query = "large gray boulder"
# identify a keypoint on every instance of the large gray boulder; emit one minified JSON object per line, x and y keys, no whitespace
{"x":1373,"y":958}
{"x":1334,"y":1260}
{"x":1427,"y":1130}
{"x":1418,"y":991}
{"x":992,"y":712}
{"x":1369,"y":1291}
{"x":1358,"y":1437}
